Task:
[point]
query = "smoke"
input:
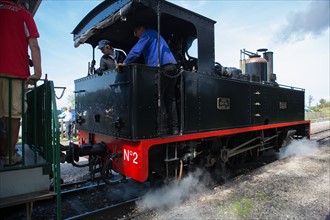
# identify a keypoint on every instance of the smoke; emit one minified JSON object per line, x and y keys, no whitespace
{"x":302,"y":148}
{"x":312,"y":21}
{"x":175,"y":193}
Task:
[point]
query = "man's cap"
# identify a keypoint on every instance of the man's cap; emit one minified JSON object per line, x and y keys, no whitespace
{"x":103,"y":43}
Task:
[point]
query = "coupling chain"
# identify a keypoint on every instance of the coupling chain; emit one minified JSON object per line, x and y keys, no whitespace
{"x":175,"y":76}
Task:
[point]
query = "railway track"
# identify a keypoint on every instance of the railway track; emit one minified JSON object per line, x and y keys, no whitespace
{"x":83,"y":199}
{"x":116,"y":210}
{"x":321,"y":135}
{"x":103,"y":199}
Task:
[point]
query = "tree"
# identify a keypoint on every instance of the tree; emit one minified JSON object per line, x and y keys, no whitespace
{"x":71,"y":100}
{"x":324,"y":103}
{"x":310,"y":100}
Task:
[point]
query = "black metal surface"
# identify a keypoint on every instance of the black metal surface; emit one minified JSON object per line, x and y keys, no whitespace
{"x":125,"y":104}
{"x":118,"y":104}
{"x":204,"y":93}
{"x":273,"y":104}
{"x":95,"y":102}
{"x":213,"y":103}
{"x":33,"y":6}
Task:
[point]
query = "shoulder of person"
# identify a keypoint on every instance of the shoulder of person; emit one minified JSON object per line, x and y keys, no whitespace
{"x":106,"y":57}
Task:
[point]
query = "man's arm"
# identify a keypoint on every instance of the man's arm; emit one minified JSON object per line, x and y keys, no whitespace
{"x":102,"y":67}
{"x":62,"y":115}
{"x":36,"y":59}
{"x":137,"y":50}
{"x":103,"y":64}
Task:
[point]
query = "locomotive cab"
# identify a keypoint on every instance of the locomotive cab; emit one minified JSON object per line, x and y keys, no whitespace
{"x":115,"y":22}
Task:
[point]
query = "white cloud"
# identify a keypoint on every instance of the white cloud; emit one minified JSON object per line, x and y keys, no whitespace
{"x":305,"y":64}
{"x":311,"y":21}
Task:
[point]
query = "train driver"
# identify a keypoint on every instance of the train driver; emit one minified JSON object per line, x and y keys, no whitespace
{"x":108,"y":60}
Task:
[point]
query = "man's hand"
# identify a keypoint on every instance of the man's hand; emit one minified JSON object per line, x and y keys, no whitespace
{"x":120,"y":67}
{"x":33,"y":78}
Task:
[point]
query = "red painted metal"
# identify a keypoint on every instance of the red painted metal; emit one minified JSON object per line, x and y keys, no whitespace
{"x":134,"y":161}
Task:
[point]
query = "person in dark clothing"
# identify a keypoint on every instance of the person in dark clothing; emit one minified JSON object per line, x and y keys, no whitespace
{"x":148,"y":47}
{"x":107,"y":61}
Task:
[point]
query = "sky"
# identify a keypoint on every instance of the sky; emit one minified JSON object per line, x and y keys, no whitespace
{"x":298,"y":32}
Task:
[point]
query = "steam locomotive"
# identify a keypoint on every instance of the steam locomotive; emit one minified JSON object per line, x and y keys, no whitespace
{"x":227,"y":115}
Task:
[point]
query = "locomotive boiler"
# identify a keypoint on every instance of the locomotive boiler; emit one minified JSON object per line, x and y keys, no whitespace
{"x":227,"y":115}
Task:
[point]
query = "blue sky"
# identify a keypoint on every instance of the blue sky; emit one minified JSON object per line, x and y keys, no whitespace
{"x":296,"y":31}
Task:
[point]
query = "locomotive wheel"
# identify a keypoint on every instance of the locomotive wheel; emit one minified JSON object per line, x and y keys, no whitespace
{"x":224,"y":155}
{"x":239,"y":159}
{"x":255,"y":154}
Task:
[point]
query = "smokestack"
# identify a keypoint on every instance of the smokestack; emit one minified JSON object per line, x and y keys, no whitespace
{"x":269,"y":57}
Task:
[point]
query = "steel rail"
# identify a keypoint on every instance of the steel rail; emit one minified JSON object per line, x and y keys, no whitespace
{"x":321,"y":131}
{"x":113,"y":210}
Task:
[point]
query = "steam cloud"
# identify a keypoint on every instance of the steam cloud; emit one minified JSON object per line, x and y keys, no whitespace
{"x":197,"y":182}
{"x":314,"y":20}
{"x":174,"y":194}
{"x":302,"y":147}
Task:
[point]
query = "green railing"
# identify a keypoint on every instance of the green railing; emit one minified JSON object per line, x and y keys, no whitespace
{"x":39,"y":142}
{"x":56,"y":168}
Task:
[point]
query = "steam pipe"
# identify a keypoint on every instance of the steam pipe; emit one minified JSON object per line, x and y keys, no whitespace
{"x":240,"y":60}
{"x":250,"y":54}
{"x":180,"y":172}
{"x":159,"y":72}
{"x":158,"y":27}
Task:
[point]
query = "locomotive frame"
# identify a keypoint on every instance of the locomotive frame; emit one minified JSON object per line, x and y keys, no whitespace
{"x":223,"y":120}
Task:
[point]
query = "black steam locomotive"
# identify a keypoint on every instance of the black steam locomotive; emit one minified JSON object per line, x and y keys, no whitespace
{"x":227,"y":115}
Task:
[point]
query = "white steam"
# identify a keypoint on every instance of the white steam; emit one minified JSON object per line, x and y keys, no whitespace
{"x":175,"y":193}
{"x":302,"y":147}
{"x":311,"y":21}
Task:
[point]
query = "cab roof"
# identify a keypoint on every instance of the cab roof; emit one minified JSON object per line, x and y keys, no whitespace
{"x":119,"y":17}
{"x":114,"y":20}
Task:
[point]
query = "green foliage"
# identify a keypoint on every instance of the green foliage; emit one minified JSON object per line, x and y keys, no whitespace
{"x":320,"y":111}
{"x":243,"y":207}
{"x":74,"y":138}
{"x":240,"y":206}
{"x":322,"y":106}
{"x":324,"y":103}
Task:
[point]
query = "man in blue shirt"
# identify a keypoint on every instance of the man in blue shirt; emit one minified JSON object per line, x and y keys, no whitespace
{"x":68,"y":118}
{"x":148,"y":47}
